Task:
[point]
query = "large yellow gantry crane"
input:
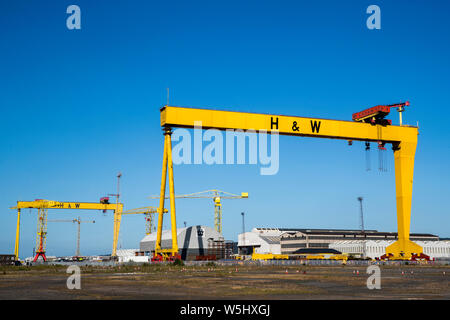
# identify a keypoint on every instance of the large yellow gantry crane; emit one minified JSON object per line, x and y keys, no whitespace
{"x":216,"y":195}
{"x":44,"y":205}
{"x":368,"y":125}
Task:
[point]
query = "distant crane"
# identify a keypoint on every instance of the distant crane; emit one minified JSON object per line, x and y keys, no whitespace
{"x":243,"y":230}
{"x":78,"y":221}
{"x":360,"y":199}
{"x":216,"y":195}
{"x":149,"y":213}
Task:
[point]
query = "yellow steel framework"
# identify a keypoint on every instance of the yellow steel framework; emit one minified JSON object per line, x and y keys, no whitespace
{"x":44,"y":205}
{"x":216,"y":195}
{"x":403,"y":139}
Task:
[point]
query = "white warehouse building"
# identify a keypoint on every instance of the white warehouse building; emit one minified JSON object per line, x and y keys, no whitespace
{"x":376,"y":248}
{"x":287,"y":241}
{"x":261,"y":240}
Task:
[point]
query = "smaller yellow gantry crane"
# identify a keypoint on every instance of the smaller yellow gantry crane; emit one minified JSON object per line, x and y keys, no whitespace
{"x":43,"y":206}
{"x":216,"y":195}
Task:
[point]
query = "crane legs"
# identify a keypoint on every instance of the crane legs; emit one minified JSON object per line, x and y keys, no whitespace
{"x":404,"y":248}
{"x":16,"y":246}
{"x":117,"y":220}
{"x":164,"y":254}
{"x":41,"y":237}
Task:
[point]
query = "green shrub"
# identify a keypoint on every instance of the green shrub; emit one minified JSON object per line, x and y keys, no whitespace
{"x":178,"y":262}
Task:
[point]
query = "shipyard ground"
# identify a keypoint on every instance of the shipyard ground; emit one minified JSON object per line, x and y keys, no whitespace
{"x":225,"y":282}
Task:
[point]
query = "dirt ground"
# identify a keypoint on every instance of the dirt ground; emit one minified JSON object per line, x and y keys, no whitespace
{"x":225,"y":282}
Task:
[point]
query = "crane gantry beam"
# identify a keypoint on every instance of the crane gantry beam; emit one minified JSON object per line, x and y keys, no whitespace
{"x":403,"y":139}
{"x":286,"y":125}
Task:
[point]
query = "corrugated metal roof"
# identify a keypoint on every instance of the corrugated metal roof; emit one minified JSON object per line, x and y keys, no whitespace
{"x":271,"y":239}
{"x":316,"y":251}
{"x":343,"y":231}
{"x":331,"y":232}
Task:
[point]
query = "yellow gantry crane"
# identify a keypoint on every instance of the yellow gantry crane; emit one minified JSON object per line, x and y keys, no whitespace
{"x":367,"y":126}
{"x":44,"y":205}
{"x":216,"y":195}
{"x":79,"y":222}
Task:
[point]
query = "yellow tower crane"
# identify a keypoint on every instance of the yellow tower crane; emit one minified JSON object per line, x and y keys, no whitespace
{"x":79,"y":222}
{"x":367,"y":126}
{"x":216,"y":195}
{"x":149,"y":213}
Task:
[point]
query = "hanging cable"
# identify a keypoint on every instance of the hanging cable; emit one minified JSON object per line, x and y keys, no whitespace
{"x":367,"y":156}
{"x":381,"y":156}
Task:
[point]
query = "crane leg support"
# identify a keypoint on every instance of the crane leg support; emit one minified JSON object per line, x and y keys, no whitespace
{"x":172,"y":253}
{"x":117,"y":221}
{"x":404,"y":248}
{"x":173,"y":217}
{"x":161,"y":199}
{"x":16,"y":246}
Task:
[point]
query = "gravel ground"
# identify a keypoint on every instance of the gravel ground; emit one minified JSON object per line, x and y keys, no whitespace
{"x":226,"y":282}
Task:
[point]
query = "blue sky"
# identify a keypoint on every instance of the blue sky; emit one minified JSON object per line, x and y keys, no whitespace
{"x":78,"y":106}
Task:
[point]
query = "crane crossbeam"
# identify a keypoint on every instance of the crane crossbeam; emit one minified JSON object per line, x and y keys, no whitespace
{"x":285,"y":125}
{"x":49,"y":204}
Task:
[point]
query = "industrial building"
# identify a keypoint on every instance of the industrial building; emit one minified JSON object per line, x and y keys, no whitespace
{"x":376,"y":248}
{"x":192,"y":242}
{"x":261,"y":240}
{"x":7,"y":259}
{"x":371,"y":243}
{"x":132,"y":255}
{"x":321,"y":238}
